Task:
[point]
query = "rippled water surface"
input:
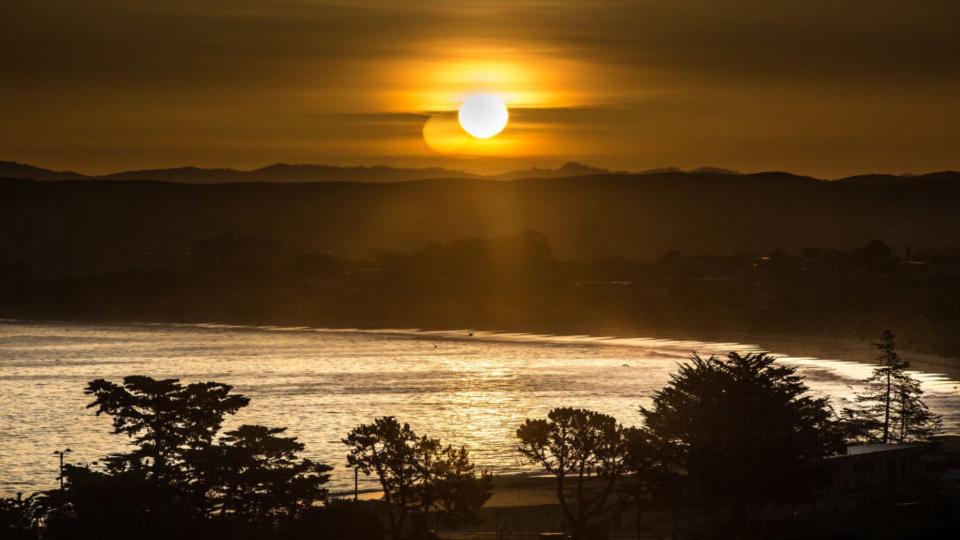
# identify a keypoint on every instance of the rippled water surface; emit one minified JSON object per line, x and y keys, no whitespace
{"x":471,"y":390}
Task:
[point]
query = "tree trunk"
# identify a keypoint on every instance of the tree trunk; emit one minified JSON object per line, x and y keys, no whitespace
{"x":886,"y":410}
{"x":674,"y":520}
{"x":561,"y":495}
{"x":639,"y":515}
{"x":903,"y":414}
{"x":394,"y":526}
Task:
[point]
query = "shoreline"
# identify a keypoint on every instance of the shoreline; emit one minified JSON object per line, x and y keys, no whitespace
{"x":838,"y":348}
{"x":527,"y":486}
{"x":796,"y":346}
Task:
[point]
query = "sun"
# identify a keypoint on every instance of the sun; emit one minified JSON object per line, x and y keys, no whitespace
{"x":483,"y":115}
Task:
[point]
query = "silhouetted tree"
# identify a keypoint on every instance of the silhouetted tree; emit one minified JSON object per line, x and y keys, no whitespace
{"x":743,"y":429}
{"x":255,"y":475}
{"x":181,"y":480}
{"x":891,"y":410}
{"x":860,"y":427}
{"x":453,"y":492}
{"x":419,"y":477}
{"x":914,"y":421}
{"x":164,"y":418}
{"x":391,"y":451}
{"x":650,"y":479}
{"x":575,"y":445}
{"x":20,"y":517}
{"x":118,"y":504}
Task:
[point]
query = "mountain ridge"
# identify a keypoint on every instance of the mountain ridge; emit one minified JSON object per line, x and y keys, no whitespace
{"x":310,"y":173}
{"x":305,"y":172}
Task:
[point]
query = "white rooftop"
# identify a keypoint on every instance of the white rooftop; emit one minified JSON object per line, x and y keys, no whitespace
{"x":858,"y":449}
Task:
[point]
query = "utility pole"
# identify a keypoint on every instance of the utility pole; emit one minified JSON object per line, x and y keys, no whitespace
{"x":61,"y":453}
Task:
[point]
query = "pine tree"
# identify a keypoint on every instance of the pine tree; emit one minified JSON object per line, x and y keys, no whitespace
{"x":914,"y":421}
{"x":891,"y":410}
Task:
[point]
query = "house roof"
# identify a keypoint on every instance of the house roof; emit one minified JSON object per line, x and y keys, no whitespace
{"x":859,"y":449}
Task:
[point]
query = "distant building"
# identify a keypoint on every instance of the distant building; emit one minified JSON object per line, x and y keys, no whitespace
{"x":943,"y":461}
{"x":875,"y":471}
{"x":236,"y":251}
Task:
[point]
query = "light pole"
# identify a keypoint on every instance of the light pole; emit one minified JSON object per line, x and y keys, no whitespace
{"x":61,"y":453}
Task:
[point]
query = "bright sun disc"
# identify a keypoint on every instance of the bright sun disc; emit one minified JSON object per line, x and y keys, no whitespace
{"x":483,"y":115}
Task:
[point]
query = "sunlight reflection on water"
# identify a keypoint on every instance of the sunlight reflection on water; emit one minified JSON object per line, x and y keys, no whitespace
{"x":466,"y":389}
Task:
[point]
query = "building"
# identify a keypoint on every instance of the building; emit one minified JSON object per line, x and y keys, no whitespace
{"x":889,"y":471}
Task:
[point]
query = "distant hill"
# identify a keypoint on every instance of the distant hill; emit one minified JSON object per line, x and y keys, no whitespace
{"x":283,"y":172}
{"x":279,"y":172}
{"x":12,"y":169}
{"x":84,"y":226}
{"x":942,"y":181}
{"x":301,"y":173}
{"x":712,"y":170}
{"x":568,"y":169}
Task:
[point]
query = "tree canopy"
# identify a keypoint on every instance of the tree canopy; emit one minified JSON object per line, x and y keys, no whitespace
{"x":891,"y":408}
{"x":183,"y":476}
{"x":164,"y":418}
{"x":576,"y":445}
{"x":421,"y":479}
{"x":741,"y":428}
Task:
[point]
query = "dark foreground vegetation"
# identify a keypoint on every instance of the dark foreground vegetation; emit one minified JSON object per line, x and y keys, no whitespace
{"x":186,"y":479}
{"x":725,"y":450}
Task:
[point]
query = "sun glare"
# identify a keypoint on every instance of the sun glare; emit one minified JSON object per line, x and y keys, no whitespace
{"x":483,"y":115}
{"x":466,"y":96}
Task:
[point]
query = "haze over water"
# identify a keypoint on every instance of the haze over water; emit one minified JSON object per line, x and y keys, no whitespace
{"x":465,"y":389}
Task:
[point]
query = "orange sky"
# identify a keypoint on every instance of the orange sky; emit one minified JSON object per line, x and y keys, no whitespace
{"x":817,"y":87}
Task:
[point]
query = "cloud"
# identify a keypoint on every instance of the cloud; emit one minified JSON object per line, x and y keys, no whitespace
{"x":633,"y":83}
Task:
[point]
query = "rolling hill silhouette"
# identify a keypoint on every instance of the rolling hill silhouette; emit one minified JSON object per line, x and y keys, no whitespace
{"x":283,"y":172}
{"x":13,"y":169}
{"x":87,"y":226}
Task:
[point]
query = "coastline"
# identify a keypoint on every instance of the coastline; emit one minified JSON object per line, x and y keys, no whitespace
{"x":832,"y":348}
{"x":798,"y":346}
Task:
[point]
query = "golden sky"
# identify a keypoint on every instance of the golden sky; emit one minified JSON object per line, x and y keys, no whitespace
{"x":826,"y":88}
